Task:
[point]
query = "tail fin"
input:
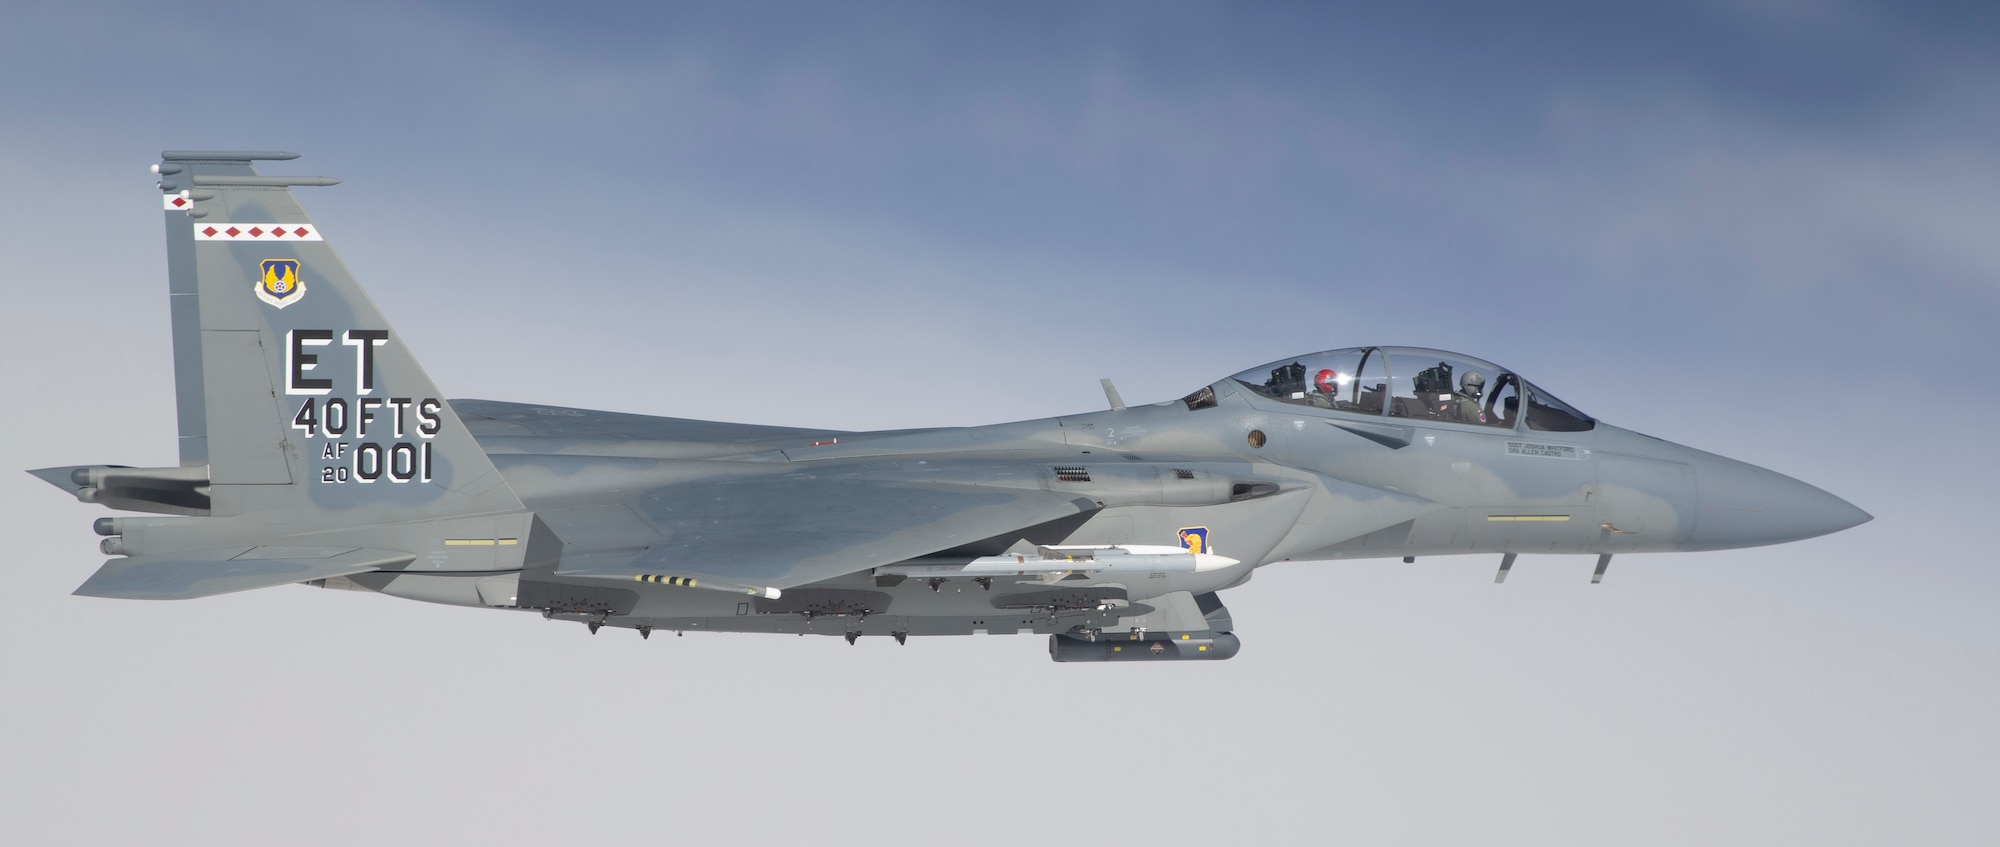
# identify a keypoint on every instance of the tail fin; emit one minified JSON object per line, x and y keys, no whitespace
{"x":291,"y":387}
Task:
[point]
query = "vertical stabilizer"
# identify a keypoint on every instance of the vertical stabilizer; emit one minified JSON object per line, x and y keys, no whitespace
{"x":292,"y":387}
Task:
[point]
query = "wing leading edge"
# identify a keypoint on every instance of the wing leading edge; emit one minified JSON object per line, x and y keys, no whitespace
{"x":497,"y":418}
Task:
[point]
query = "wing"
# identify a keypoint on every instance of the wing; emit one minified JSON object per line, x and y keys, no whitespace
{"x":787,"y":530}
{"x":492,"y":417}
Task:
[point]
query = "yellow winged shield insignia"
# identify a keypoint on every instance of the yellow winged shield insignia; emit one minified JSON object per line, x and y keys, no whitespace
{"x":280,"y":285}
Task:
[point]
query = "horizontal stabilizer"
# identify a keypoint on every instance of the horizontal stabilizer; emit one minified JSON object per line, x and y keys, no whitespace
{"x":170,"y":491}
{"x":204,"y":573}
{"x":64,"y":477}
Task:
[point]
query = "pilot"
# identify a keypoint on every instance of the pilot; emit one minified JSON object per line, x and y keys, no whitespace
{"x":1326,"y":385}
{"x":1465,"y":403}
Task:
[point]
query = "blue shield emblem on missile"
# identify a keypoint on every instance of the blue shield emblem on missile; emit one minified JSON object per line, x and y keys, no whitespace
{"x":1194,"y":539}
{"x":279,"y":283}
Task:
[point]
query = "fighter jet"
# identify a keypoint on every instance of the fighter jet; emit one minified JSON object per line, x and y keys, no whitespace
{"x":313,"y":449}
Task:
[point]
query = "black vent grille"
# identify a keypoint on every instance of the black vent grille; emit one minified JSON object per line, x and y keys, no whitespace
{"x":1072,"y":474}
{"x":1183,"y":473}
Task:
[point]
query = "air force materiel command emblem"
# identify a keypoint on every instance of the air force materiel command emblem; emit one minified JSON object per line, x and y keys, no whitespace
{"x":280,"y":285}
{"x":1194,"y":539}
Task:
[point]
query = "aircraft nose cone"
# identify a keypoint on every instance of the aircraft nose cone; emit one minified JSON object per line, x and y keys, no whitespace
{"x":1743,"y":505}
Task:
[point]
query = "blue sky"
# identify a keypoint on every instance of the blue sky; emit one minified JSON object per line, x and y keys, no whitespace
{"x":1760,"y":228}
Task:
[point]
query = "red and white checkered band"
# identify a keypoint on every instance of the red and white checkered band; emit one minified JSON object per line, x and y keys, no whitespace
{"x":255,"y":232}
{"x":176,"y":203}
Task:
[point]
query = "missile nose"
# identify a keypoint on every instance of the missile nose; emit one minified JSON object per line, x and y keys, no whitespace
{"x":1211,"y":562}
{"x":1742,"y":505}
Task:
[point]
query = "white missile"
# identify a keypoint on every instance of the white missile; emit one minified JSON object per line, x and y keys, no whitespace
{"x":1119,"y":558}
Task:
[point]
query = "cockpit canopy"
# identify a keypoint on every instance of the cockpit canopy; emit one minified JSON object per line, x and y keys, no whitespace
{"x":1407,"y":382}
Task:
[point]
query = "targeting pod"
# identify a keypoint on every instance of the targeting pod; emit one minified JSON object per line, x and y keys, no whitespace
{"x":1152,"y":647}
